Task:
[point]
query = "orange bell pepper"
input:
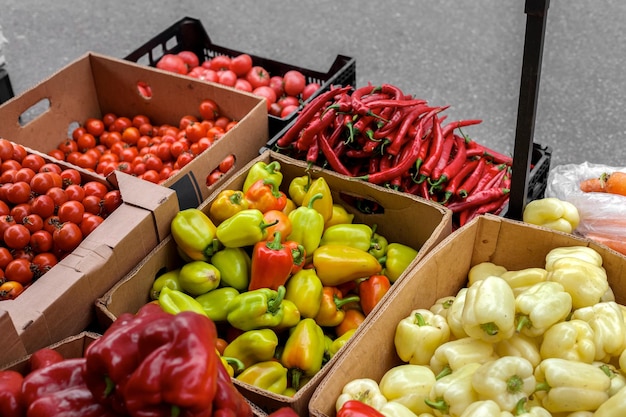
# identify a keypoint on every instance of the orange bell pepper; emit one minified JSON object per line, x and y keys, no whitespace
{"x":372,"y":290}
{"x":331,"y":311}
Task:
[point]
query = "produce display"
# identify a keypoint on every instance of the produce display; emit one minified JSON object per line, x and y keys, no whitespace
{"x":46,"y":210}
{"x":511,"y":342}
{"x":381,"y":135}
{"x":284,"y":93}
{"x":137,"y":146}
{"x":286,"y":275}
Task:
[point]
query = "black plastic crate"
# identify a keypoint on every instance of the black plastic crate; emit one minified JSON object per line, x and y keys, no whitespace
{"x":6,"y":90}
{"x":188,"y":34}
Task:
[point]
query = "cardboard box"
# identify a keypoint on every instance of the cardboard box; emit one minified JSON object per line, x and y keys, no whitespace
{"x":61,"y":302}
{"x":406,"y":219}
{"x":514,"y":245}
{"x":93,"y":85}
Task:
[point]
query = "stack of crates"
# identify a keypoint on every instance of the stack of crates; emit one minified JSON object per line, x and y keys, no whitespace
{"x":6,"y":91}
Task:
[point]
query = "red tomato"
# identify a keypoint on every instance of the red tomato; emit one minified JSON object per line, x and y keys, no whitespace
{"x":33,"y":161}
{"x":19,"y":270}
{"x":219,"y":63}
{"x":258,"y":76}
{"x":288,"y":101}
{"x":267,"y":93}
{"x":227,"y":163}
{"x":33,"y":222}
{"x":190,"y":58}
{"x":75,"y":192}
{"x":42,"y":205}
{"x":213,"y":177}
{"x":44,"y":357}
{"x":5,"y":257}
{"x":277,"y":84}
{"x":227,"y":77}
{"x":287,"y":110}
{"x":42,"y":182}
{"x":6,"y":149}
{"x":67,"y":237}
{"x":243,"y":85}
{"x":309,"y":89}
{"x":241,"y":64}
{"x":71,"y":211}
{"x":89,"y":223}
{"x":50,"y":167}
{"x":16,"y":236}
{"x":275,"y":109}
{"x":209,"y":110}
{"x":19,"y":211}
{"x":95,"y":188}
{"x":18,"y":192}
{"x":41,"y":241}
{"x":10,"y":290}
{"x":294,"y":82}
{"x":172,"y":63}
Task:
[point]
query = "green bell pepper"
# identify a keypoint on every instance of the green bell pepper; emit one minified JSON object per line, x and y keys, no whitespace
{"x":169,"y":279}
{"x":215,"y":303}
{"x":198,"y":277}
{"x":174,"y":302}
{"x":234,"y":266}
{"x":304,"y":289}
{"x":339,"y":342}
{"x":397,"y":259}
{"x":253,"y":346}
{"x":194,"y":233}
{"x":307,"y":226}
{"x":379,"y":245}
{"x":263,"y":171}
{"x":243,"y":229}
{"x":257,"y":309}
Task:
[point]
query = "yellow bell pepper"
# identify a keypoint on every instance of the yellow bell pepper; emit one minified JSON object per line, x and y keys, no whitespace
{"x":541,"y":306}
{"x":323,"y":205}
{"x":485,"y":408}
{"x":455,"y":354}
{"x":584,"y":281}
{"x":303,"y":353}
{"x":614,"y":406}
{"x":552,"y":213}
{"x":339,"y":216}
{"x":483,"y":270}
{"x":395,"y":409}
{"x":505,"y":380}
{"x":408,"y":385}
{"x":338,"y":264}
{"x":253,"y":346}
{"x":565,"y":386}
{"x":489,"y":310}
{"x":339,"y":342}
{"x":453,"y":393}
{"x":570,"y":340}
{"x":442,"y":306}
{"x":226,"y":204}
{"x":365,"y":390}
{"x":520,"y":345}
{"x":455,"y":314}
{"x":522,"y":279}
{"x":418,"y":335}
{"x":608,"y":326}
{"x":583,"y":253}
{"x":268,"y":375}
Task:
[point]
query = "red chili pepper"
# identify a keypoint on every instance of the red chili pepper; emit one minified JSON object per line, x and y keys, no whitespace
{"x":271,"y":264}
{"x":395,"y":103}
{"x":456,"y":180}
{"x":409,"y":118}
{"x":477,"y":199}
{"x":446,"y":151}
{"x":314,"y":150}
{"x":306,"y":114}
{"x":496,"y":157}
{"x":393,"y":121}
{"x":372,"y":290}
{"x":228,"y":401}
{"x":330,"y":155}
{"x":450,"y":170}
{"x":450,"y":127}
{"x":472,"y":180}
{"x":11,"y":397}
{"x":356,"y":408}
{"x":357,"y":104}
{"x":310,"y":132}
{"x":434,"y":153}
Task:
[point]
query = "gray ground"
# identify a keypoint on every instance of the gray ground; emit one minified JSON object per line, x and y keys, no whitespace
{"x":464,"y":53}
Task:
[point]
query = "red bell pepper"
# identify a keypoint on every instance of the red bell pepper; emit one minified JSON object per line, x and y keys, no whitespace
{"x":372,"y":290}
{"x":228,"y":401}
{"x":284,"y":412}
{"x":11,"y":399}
{"x":115,"y":355}
{"x":180,"y":375}
{"x":298,"y":254}
{"x":264,"y":196}
{"x":356,"y":408}
{"x":60,"y":389}
{"x":272,"y":263}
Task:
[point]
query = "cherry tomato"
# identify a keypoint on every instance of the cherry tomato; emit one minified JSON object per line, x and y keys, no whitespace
{"x":172,"y":63}
{"x":44,"y":262}
{"x":19,"y":211}
{"x":227,"y":163}
{"x":16,"y":236}
{"x":243,"y":85}
{"x":89,"y":223}
{"x":10,"y":290}
{"x":24,"y":174}
{"x":209,"y":110}
{"x":214,"y":177}
{"x":275,"y":109}
{"x":44,"y":357}
{"x":5,"y":257}
{"x":41,"y":182}
{"x":93,"y":204}
{"x":241,"y":64}
{"x":288,"y":100}
{"x":50,"y":167}
{"x":19,"y":270}
{"x":33,"y":161}
{"x":41,"y":241}
{"x":4,"y":208}
{"x":71,"y":211}
{"x":258,"y":76}
{"x":6,"y":149}
{"x":33,"y":222}
{"x":71,"y":176}
{"x":42,"y":205}
{"x":111,"y":201}
{"x":95,"y":188}
{"x":75,"y":192}
{"x":287,"y":110}
{"x":18,"y":192}
{"x":94,"y":126}
{"x":67,"y":237}
{"x":58,"y":195}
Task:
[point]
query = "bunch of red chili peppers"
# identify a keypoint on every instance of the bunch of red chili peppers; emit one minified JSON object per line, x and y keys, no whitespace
{"x":381,"y":135}
{"x":151,"y":364}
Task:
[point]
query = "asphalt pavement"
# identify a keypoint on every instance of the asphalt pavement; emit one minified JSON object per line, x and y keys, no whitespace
{"x":464,"y":54}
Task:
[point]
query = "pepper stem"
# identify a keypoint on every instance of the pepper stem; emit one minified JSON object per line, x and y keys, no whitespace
{"x":522,"y":321}
{"x":274,"y":304}
{"x":419,"y":320}
{"x":440,"y":405}
{"x":542,"y":386}
{"x":340,"y":302}
{"x":276,"y":243}
{"x":520,"y":407}
{"x":514,"y":384}
{"x":236,"y":364}
{"x":490,"y":328}
{"x":444,"y":372}
{"x":313,"y":198}
{"x":109,"y":386}
{"x":295,"y":378}
{"x":175,"y":411}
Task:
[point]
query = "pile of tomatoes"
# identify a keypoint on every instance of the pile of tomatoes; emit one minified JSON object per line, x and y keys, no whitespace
{"x":284,"y":93}
{"x":45,"y":212}
{"x":136,"y":146}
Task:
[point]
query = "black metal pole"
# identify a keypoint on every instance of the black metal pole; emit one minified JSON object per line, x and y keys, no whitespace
{"x":536,"y":11}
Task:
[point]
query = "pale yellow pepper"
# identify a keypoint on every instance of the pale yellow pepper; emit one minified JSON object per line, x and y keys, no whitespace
{"x":614,"y":406}
{"x":520,"y":345}
{"x":609,"y":329}
{"x":552,"y":213}
{"x":584,"y":281}
{"x":395,"y":409}
{"x":540,"y":306}
{"x":453,"y":393}
{"x":454,"y":317}
{"x":458,"y":353}
{"x":485,"y":408}
{"x":522,"y":279}
{"x":565,"y":386}
{"x":526,"y":409}
{"x":618,"y":379}
{"x":442,"y":305}
{"x":584,"y":253}
{"x":365,"y":390}
{"x":483,"y":270}
{"x":409,"y":385}
{"x":418,"y":335}
{"x":505,"y":380}
{"x":489,"y":310}
{"x":571,"y":340}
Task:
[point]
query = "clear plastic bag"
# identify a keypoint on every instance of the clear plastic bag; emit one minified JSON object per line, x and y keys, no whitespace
{"x":602,"y":215}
